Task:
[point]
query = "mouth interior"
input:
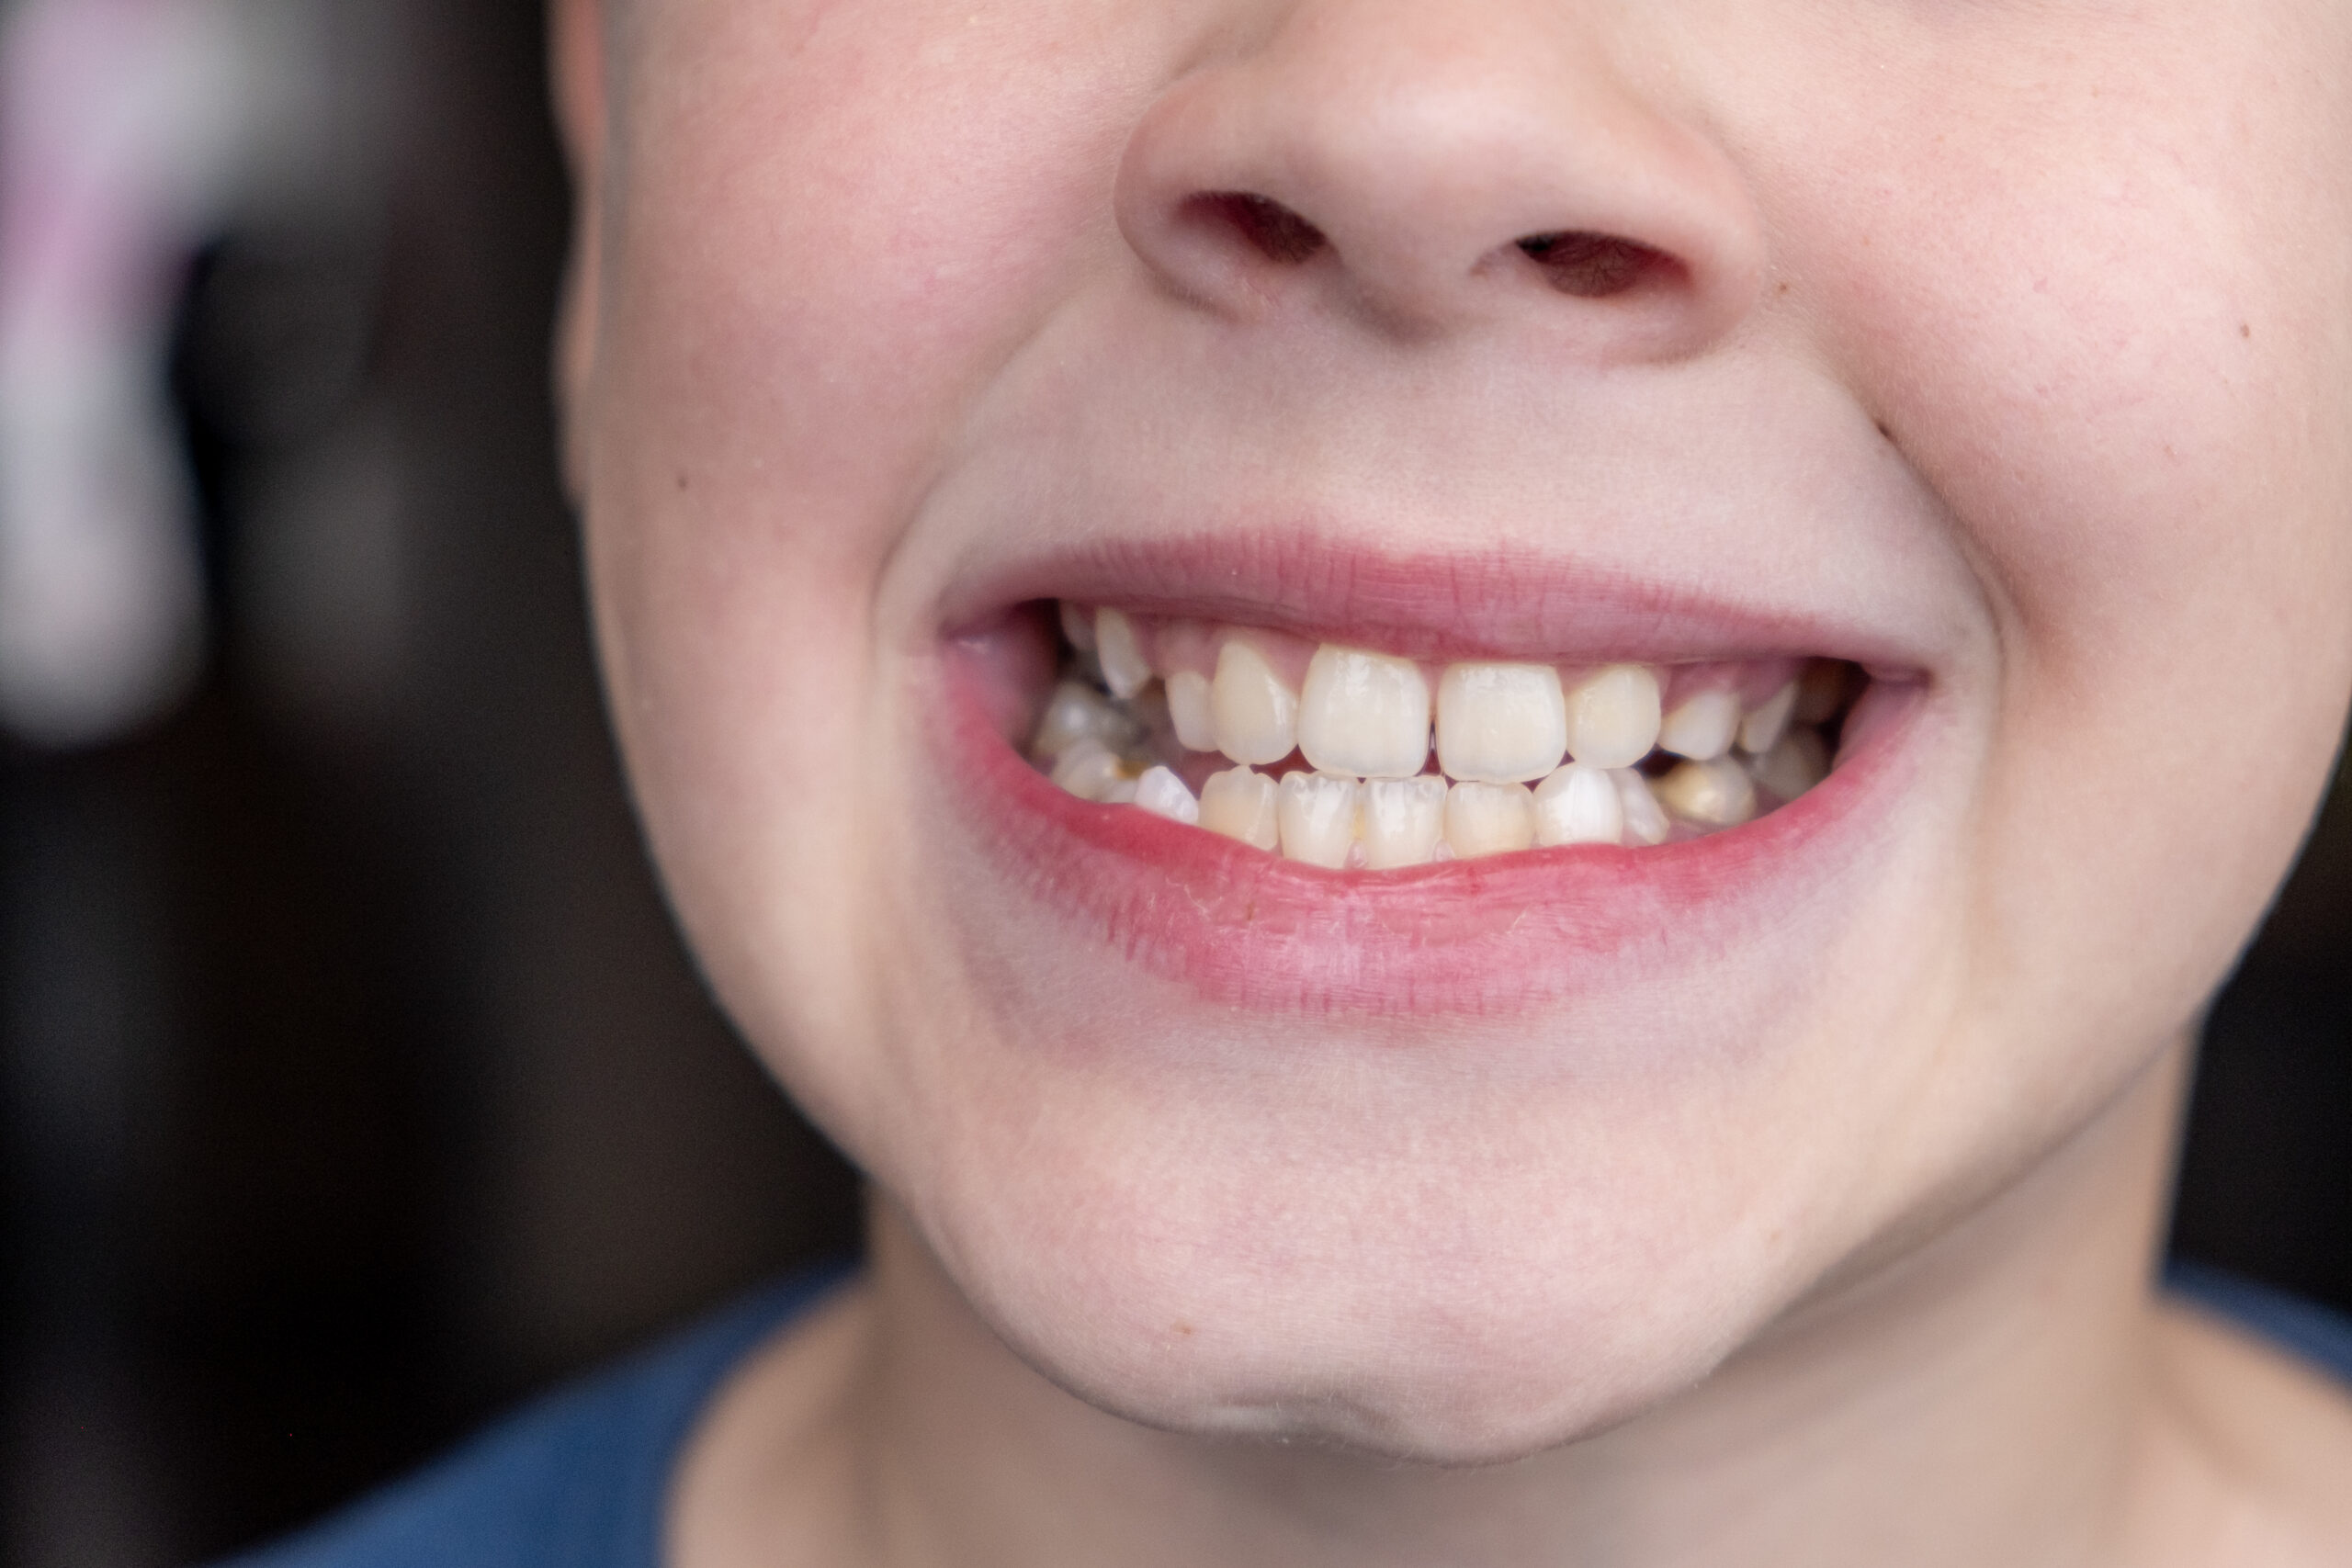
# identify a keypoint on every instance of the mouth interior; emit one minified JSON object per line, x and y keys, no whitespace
{"x":1350,"y":759}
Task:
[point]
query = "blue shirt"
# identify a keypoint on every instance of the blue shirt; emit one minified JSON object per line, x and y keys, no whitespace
{"x":580,"y":1479}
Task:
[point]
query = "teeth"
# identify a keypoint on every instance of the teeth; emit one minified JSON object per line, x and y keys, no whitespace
{"x":1364,"y":713}
{"x":1091,"y":771}
{"x":1794,"y":766}
{"x":1189,"y":710}
{"x":1488,"y":818}
{"x":1077,"y":711}
{"x":1702,"y":727}
{"x":1239,"y":803}
{"x":1124,"y":668}
{"x":1317,"y":816}
{"x":1500,"y":723}
{"x":1613,"y":715}
{"x":1645,"y":823}
{"x":1253,"y":715}
{"x":1760,"y":730}
{"x":1578,"y":805}
{"x":1715,"y":794}
{"x":1075,"y":626}
{"x":1162,"y":793}
{"x":1401,"y":821}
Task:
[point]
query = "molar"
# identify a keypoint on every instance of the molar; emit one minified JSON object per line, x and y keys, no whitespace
{"x":1364,"y":713}
{"x":1500,"y":723}
{"x":1317,"y":816}
{"x":1091,"y":771}
{"x":1702,"y":725}
{"x":1794,"y":766}
{"x":1490,"y":818}
{"x":1612,"y":715}
{"x":1401,"y":821}
{"x":1077,"y":711}
{"x":1239,"y":803}
{"x":1578,"y":805}
{"x":1712,"y":793}
{"x":1253,"y":716}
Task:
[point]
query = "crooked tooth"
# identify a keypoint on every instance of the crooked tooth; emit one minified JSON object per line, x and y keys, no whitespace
{"x":1488,"y":818}
{"x":1317,"y":816}
{"x":1077,"y":711}
{"x":1075,"y":626}
{"x":1701,"y":727}
{"x":1124,"y":668}
{"x":1645,"y":823}
{"x":1253,"y":717}
{"x":1091,"y":771}
{"x":1613,"y":715}
{"x":1578,"y":805}
{"x":1794,"y":766}
{"x":1189,"y":710}
{"x":1239,"y":803}
{"x":1401,"y":821}
{"x":1714,"y":794}
{"x":1500,"y":723}
{"x":1364,"y":713}
{"x":1761,"y":730}
{"x":1162,"y":793}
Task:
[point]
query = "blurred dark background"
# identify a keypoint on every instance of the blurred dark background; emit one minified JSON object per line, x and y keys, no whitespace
{"x":352,"y":1081}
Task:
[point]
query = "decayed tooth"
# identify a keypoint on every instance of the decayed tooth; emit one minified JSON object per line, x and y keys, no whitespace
{"x":1091,"y":771}
{"x":1645,"y":823}
{"x":1490,"y":818}
{"x":1578,"y":805}
{"x":1613,"y":715}
{"x":1401,"y":821}
{"x":1794,"y":766}
{"x":1077,"y":711}
{"x":1364,"y":713}
{"x":1162,"y":793}
{"x":1760,"y":730}
{"x":1701,"y":727}
{"x":1188,"y":709}
{"x":1239,"y":803}
{"x":1716,"y":794}
{"x":1078,"y":628}
{"x":1253,"y":717}
{"x":1124,"y":668}
{"x":1317,"y":816}
{"x":1500,"y":723}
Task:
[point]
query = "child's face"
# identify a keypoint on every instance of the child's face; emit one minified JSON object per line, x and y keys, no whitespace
{"x":2001,"y":348}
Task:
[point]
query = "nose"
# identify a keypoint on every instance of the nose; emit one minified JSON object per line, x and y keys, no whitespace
{"x":1427,"y":167}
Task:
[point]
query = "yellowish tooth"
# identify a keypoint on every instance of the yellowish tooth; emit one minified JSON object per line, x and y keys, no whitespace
{"x":1401,"y":821}
{"x":1365,"y":713}
{"x":1124,"y":668}
{"x":1488,"y":818}
{"x":1794,"y":766}
{"x":1645,"y":823}
{"x":1253,"y":716}
{"x":1500,"y":723}
{"x":1239,"y":803}
{"x":1078,"y":628}
{"x":1701,"y":727}
{"x":1091,"y":771}
{"x":1715,"y":794}
{"x":1077,"y":711}
{"x":1317,"y":815}
{"x":1189,"y":710}
{"x":1578,"y":805}
{"x":1613,"y":715}
{"x":1760,"y":730}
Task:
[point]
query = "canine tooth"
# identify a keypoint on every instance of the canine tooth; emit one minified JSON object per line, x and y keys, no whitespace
{"x":1401,"y":821}
{"x":1091,"y":771}
{"x":1364,"y":713}
{"x":1645,"y":823}
{"x":1701,"y":727}
{"x":1500,"y":723}
{"x":1253,"y":715}
{"x":1488,"y":818}
{"x":1162,"y":793}
{"x":1578,"y":805}
{"x":1124,"y":668}
{"x":1077,"y":711}
{"x":1317,"y":816}
{"x":1794,"y":766}
{"x":1761,"y":730}
{"x":1188,"y":710}
{"x":1076,"y":629}
{"x":1613,"y":715}
{"x":1239,"y":803}
{"x":1715,"y":794}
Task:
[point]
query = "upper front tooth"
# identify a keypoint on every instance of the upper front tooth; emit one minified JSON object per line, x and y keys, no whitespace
{"x":1189,"y":711}
{"x":1578,"y":805}
{"x":1124,"y":668}
{"x":1162,"y":793}
{"x":1364,"y":713}
{"x":1239,"y":803}
{"x":1500,"y":723}
{"x":1401,"y":820}
{"x":1255,"y":716}
{"x":1317,"y":815}
{"x":1716,"y":794}
{"x":1488,"y":818}
{"x":1760,"y":730}
{"x":1613,"y":715}
{"x":1701,"y":727}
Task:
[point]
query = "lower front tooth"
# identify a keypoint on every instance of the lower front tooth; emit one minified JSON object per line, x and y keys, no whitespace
{"x":1701,"y":727}
{"x":1645,"y":823}
{"x":1254,"y":717}
{"x":1162,"y":793}
{"x":1091,"y":771}
{"x":1488,"y":818}
{"x":1401,"y":821}
{"x":1124,"y":668}
{"x":1317,"y":815}
{"x":1760,"y":730}
{"x":1717,"y":794}
{"x":1239,"y":803}
{"x":1188,"y":709}
{"x":1578,"y":805}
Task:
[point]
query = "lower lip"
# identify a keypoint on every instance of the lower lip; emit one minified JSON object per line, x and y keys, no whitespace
{"x":1243,"y":928}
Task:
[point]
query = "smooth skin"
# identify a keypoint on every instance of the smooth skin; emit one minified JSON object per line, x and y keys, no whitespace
{"x":2015,"y":338}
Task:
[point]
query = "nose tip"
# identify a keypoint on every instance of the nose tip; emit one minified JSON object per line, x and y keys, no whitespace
{"x":1356,"y":163}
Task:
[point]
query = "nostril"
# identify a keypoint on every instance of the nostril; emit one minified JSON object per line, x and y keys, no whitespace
{"x":1274,"y":231}
{"x":1592,"y":266}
